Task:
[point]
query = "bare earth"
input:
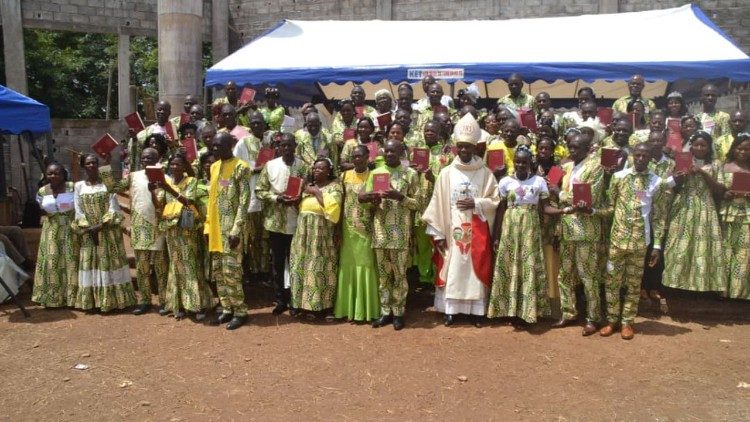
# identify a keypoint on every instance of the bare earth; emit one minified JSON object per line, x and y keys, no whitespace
{"x":690,"y":366}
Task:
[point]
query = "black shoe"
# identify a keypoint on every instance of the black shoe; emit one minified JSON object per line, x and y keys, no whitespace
{"x":236,"y":322}
{"x":294,"y":312}
{"x":382,"y":321}
{"x":448,"y":320}
{"x":477,"y":320}
{"x":141,"y":309}
{"x":180,"y":315}
{"x":200,"y":316}
{"x":280,"y":308}
{"x":164,"y":311}
{"x":223,"y":318}
{"x":398,"y":323}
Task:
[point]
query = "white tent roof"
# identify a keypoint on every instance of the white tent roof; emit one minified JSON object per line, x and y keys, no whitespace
{"x":296,"y":53}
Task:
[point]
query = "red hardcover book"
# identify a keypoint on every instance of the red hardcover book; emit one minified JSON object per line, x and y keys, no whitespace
{"x":740,"y":181}
{"x":610,"y":157}
{"x":350,"y":134}
{"x":528,"y":120}
{"x":674,"y":141}
{"x":293,"y":187}
{"x":104,"y":145}
{"x":374,"y":149}
{"x":604,"y":114}
{"x":381,"y":182}
{"x":191,"y":148}
{"x":264,"y":155}
{"x":155,"y":174}
{"x":421,"y":157}
{"x":495,"y":159}
{"x":384,"y":120}
{"x":582,"y":192}
{"x":134,"y":121}
{"x":683,"y":161}
{"x":359,"y":111}
{"x":184,"y":118}
{"x":247,"y":95}
{"x":674,"y":124}
{"x":555,"y":175}
{"x":169,"y":129}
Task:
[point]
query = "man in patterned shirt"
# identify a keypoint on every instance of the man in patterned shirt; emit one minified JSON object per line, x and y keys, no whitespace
{"x":635,"y":88}
{"x":392,"y":223}
{"x":228,"y":198}
{"x":517,"y":99}
{"x":715,"y":122}
{"x":635,"y":199}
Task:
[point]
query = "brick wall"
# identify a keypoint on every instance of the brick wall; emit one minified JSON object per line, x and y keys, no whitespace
{"x":80,"y":134}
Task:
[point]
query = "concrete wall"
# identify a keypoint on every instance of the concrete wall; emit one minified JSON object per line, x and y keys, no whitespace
{"x":79,"y":134}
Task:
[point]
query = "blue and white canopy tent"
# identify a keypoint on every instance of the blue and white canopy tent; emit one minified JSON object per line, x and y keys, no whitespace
{"x":303,"y":57}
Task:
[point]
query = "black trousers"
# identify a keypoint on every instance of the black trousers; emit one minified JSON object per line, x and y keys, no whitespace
{"x":652,"y":276}
{"x":280,"y":246}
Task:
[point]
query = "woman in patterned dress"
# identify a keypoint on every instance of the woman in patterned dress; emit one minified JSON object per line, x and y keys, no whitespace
{"x":182,"y":221}
{"x":103,"y":272}
{"x":365,"y":128}
{"x":543,"y":163}
{"x":313,"y":257}
{"x":56,"y":275}
{"x":735,"y":220}
{"x":519,"y":285}
{"x":357,"y":297}
{"x":273,"y":112}
{"x":693,"y":255}
{"x":343,"y":121}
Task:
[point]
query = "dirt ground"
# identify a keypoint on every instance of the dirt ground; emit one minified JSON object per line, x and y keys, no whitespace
{"x":691,"y":365}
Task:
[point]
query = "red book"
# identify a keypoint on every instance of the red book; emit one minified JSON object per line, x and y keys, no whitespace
{"x":528,"y":120}
{"x":674,"y":125}
{"x":293,"y":187}
{"x":184,"y":118}
{"x":104,"y":145}
{"x":350,"y":134}
{"x":555,"y":175}
{"x":582,"y":192}
{"x":247,"y":95}
{"x":134,"y":121}
{"x":191,"y":148}
{"x":421,"y":157}
{"x":495,"y":159}
{"x":381,"y":182}
{"x":374,"y":149}
{"x":264,"y":155}
{"x":384,"y":120}
{"x":169,"y":129}
{"x":359,"y":111}
{"x":610,"y":157}
{"x":438,"y":108}
{"x":604,"y":114}
{"x":155,"y":174}
{"x":674,"y":141}
{"x":683,"y":160}
{"x":740,"y":181}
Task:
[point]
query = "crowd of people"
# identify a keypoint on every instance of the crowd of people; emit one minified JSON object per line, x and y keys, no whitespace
{"x":334,"y":217}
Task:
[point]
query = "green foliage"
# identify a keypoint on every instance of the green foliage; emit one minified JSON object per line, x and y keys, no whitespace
{"x":144,"y":66}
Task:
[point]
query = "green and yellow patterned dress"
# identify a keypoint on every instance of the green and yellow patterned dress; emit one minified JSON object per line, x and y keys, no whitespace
{"x":103,"y":272}
{"x":357,"y":289}
{"x":273,"y":117}
{"x":519,"y":283}
{"x":313,"y":259}
{"x":693,"y":255}
{"x":735,"y":220}
{"x":309,"y":148}
{"x":56,"y":276}
{"x":338,"y":126}
{"x":186,"y":286}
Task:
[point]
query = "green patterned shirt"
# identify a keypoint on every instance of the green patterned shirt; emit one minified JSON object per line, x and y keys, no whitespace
{"x":716,"y":123}
{"x":523,"y":100}
{"x":393,"y":220}
{"x":581,"y":227}
{"x":278,"y":218}
{"x":309,"y":149}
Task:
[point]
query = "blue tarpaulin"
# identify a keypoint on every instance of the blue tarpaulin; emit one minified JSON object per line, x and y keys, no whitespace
{"x":19,"y":113}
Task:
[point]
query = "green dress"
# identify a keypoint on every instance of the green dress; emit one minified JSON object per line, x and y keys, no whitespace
{"x":313,"y":257}
{"x":274,"y":118}
{"x":357,"y":296}
{"x":693,"y":255}
{"x":735,"y":220}
{"x":56,"y":275}
{"x":186,"y":286}
{"x":519,"y":284}
{"x":104,"y":280}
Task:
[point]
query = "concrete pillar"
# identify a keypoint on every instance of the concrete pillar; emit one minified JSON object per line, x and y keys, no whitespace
{"x":609,"y":6}
{"x":15,"y":61}
{"x":123,"y":76}
{"x":384,"y":9}
{"x":180,"y":27}
{"x":219,"y":29}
